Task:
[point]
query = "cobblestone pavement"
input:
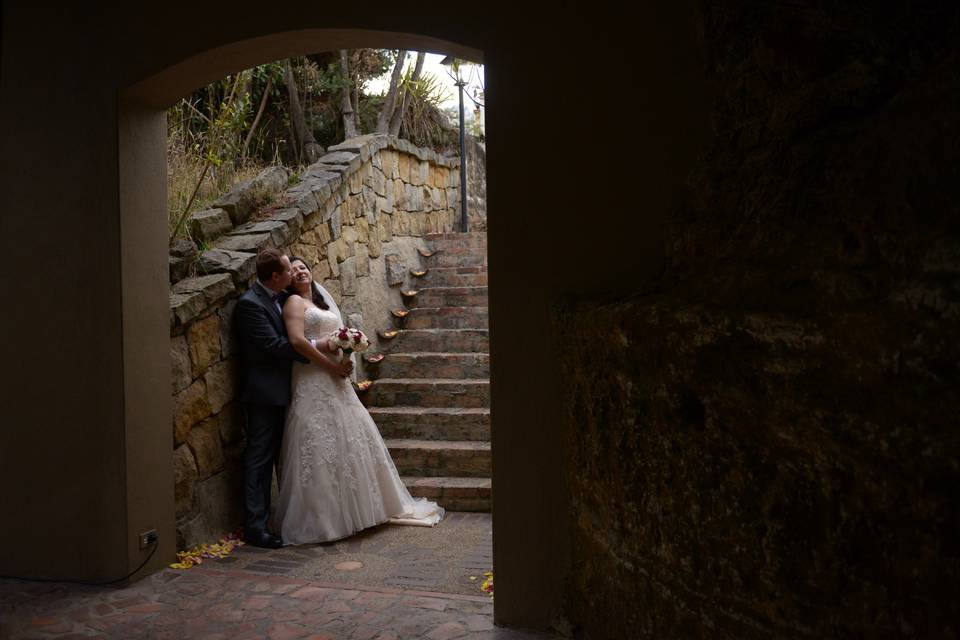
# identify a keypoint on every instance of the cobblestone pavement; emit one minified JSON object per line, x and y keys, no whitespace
{"x":283,"y":594}
{"x":438,"y":559}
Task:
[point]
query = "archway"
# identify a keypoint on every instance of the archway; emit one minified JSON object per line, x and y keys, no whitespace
{"x":142,"y":189}
{"x":98,"y":233}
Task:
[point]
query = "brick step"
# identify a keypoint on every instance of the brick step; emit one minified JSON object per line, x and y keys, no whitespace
{"x":435,"y":365}
{"x":433,"y":423}
{"x":476,"y":235}
{"x":457,"y":250}
{"x":439,"y":340}
{"x":424,"y":392}
{"x":453,"y":494}
{"x":461,"y":270}
{"x":446,"y":259}
{"x":440,"y":457}
{"x":447,"y":318}
{"x":451,"y":297}
{"x":448,"y":240}
{"x":453,"y":277}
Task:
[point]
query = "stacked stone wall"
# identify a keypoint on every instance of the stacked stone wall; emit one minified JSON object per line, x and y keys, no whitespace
{"x":764,"y":444}
{"x":357,"y":216}
{"x":476,"y":153}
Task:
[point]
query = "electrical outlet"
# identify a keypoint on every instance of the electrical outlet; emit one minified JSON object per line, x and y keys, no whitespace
{"x":148,"y":537}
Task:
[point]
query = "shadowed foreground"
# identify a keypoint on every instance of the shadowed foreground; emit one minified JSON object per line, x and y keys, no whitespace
{"x":296,"y":592}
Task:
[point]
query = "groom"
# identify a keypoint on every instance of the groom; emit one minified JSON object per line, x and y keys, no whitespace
{"x":267,"y":357}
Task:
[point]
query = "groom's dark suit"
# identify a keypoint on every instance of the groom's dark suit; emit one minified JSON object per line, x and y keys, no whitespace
{"x":267,"y":356}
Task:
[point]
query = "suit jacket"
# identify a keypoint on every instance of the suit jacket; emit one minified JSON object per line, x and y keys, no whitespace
{"x":266,"y":353}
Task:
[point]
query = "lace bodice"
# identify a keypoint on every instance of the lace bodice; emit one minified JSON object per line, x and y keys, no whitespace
{"x":319,"y":322}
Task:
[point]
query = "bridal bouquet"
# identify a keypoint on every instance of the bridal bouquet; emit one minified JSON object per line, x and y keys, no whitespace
{"x":349,"y":340}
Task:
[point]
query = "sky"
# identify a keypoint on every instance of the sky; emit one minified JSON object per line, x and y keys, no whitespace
{"x":473,"y":73}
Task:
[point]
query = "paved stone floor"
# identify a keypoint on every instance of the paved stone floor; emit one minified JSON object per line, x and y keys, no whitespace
{"x":438,"y":559}
{"x":413,"y":583}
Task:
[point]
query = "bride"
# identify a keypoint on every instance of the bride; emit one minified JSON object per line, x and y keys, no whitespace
{"x":336,"y":475}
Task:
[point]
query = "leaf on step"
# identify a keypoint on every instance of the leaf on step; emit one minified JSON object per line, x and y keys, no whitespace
{"x":363,"y":385}
{"x":418,"y":274}
{"x":388,"y":335}
{"x":400,"y":313}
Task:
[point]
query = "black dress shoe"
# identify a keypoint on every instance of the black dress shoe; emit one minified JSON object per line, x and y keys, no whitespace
{"x":262,"y":539}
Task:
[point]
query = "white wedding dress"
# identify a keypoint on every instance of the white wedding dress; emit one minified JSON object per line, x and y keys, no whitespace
{"x":336,"y":475}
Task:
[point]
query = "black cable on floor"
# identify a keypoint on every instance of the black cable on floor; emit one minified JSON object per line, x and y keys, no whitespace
{"x":86,"y":583}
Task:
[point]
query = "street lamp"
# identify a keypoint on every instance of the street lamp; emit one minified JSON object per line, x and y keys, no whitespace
{"x":454,"y":64}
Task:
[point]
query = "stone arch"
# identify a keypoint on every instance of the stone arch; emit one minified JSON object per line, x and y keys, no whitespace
{"x":103,"y":232}
{"x":166,"y":86}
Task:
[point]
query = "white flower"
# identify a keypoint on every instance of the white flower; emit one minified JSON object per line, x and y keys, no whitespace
{"x":350,"y":340}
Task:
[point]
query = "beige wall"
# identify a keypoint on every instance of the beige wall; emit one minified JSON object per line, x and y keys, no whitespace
{"x":78,"y":420}
{"x":146,"y":309}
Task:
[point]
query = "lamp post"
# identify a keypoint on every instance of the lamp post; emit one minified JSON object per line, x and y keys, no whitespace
{"x":460,"y":84}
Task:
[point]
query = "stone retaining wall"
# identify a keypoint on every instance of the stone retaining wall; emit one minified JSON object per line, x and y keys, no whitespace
{"x":357,"y":216}
{"x":476,"y":153}
{"x":764,"y":443}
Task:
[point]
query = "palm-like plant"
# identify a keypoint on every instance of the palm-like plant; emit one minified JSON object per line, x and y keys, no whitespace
{"x":424,"y":124}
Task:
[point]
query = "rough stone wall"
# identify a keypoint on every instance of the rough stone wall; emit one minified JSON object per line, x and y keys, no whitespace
{"x":764,"y":443}
{"x":476,"y":184}
{"x":476,"y":153}
{"x":357,"y":216}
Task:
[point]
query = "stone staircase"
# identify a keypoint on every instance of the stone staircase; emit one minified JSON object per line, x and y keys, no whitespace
{"x":431,"y":392}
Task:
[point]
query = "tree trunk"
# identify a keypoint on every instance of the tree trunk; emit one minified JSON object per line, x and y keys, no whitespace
{"x":356,"y":104}
{"x":398,"y":113}
{"x":256,"y":119}
{"x":389,"y":105}
{"x":346,"y":104}
{"x":307,"y":146}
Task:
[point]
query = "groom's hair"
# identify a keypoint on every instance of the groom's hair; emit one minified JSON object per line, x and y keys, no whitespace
{"x":269,"y":262}
{"x":315,"y":294}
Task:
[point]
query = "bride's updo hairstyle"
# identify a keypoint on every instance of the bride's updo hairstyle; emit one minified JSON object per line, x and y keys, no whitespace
{"x":315,"y":294}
